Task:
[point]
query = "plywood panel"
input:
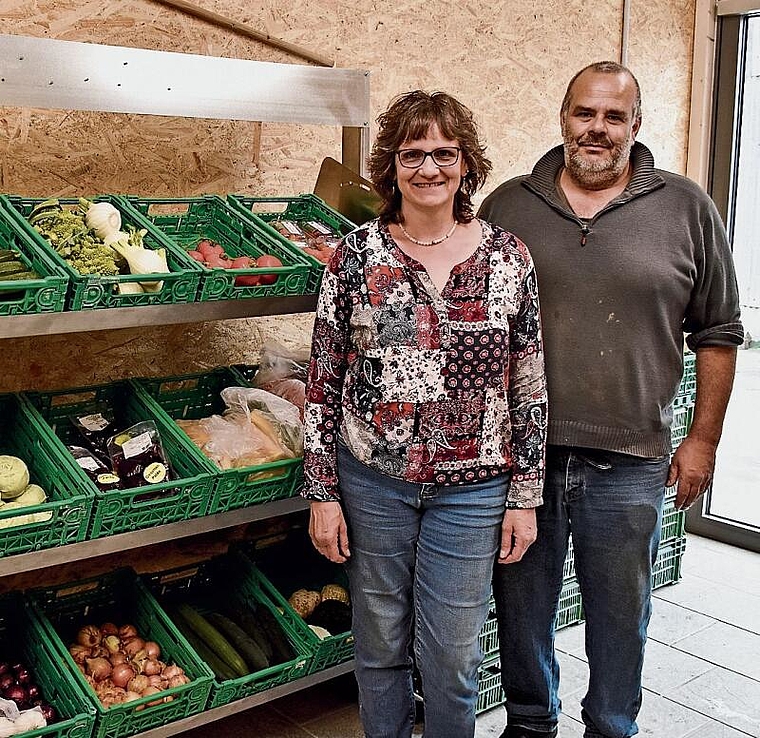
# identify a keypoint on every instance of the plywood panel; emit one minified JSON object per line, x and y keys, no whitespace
{"x":509,"y":60}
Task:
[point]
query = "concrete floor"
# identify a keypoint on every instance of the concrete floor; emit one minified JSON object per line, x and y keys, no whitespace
{"x":701,"y":675}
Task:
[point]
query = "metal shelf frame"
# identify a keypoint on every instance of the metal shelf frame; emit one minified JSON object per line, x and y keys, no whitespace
{"x":67,"y":75}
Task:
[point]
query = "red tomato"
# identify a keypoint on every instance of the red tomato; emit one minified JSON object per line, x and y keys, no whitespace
{"x":266,"y":260}
{"x":242,"y":262}
{"x":248,"y":280}
{"x":197,"y":255}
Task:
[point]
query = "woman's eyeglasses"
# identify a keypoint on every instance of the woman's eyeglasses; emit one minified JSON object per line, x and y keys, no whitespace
{"x":446,"y":156}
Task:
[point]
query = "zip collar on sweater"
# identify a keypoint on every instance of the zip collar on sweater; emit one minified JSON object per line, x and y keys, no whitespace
{"x":543,"y":182}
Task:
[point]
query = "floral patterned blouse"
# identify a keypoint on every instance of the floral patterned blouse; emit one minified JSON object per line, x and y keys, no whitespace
{"x":433,"y":388}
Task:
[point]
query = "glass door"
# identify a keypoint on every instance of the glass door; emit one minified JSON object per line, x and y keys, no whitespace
{"x":730,"y":511}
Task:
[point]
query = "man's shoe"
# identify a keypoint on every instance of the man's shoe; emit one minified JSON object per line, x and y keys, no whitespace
{"x":514,"y":731}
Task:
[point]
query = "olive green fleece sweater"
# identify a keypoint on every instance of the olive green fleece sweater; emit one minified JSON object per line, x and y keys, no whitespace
{"x":617,"y":294}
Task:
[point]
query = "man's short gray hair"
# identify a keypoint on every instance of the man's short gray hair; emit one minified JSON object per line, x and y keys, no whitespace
{"x":604,"y":67}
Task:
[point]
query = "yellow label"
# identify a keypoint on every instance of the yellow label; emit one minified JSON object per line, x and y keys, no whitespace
{"x":107,"y":478}
{"x":155,"y":472}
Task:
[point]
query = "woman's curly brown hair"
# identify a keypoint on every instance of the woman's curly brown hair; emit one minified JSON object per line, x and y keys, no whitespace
{"x":409,"y":118}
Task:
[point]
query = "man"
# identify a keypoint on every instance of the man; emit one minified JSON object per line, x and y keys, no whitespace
{"x":628,"y":258}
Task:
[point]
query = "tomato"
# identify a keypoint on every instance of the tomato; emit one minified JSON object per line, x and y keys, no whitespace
{"x":248,"y":280}
{"x":267,"y":260}
{"x":242,"y":262}
{"x":197,"y":255}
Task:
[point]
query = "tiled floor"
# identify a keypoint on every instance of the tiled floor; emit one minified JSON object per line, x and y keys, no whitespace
{"x":701,"y":675}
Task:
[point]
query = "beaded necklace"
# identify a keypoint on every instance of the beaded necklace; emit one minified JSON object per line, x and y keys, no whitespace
{"x":435,"y":241}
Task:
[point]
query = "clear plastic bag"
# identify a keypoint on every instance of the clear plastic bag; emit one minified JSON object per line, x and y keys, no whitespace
{"x":283,"y":373}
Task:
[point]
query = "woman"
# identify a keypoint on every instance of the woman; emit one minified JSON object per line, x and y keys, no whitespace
{"x":425,"y":417}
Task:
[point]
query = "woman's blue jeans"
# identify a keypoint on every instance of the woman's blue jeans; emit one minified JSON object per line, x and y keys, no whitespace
{"x":611,"y":505}
{"x":420,"y":577}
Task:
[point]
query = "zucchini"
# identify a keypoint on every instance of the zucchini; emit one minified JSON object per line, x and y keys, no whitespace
{"x":213,"y":639}
{"x":246,"y":618}
{"x":18,"y":276}
{"x":221,"y":670}
{"x":12,"y":266}
{"x":283,"y":651}
{"x":240,"y":640}
{"x":7,"y":255}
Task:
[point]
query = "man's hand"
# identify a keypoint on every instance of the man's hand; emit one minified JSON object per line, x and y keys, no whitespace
{"x":518,"y":531}
{"x":692,"y":467}
{"x":327,"y":528}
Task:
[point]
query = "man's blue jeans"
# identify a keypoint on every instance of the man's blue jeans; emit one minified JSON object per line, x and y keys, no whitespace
{"x":420,"y":577}
{"x":611,"y":504}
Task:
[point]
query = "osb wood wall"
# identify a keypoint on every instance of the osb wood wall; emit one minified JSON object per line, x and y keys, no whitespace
{"x":509,"y":60}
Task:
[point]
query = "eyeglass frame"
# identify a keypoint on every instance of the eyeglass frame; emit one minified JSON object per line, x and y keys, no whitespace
{"x":431,"y":154}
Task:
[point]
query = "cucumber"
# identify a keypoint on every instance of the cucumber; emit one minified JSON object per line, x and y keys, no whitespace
{"x":221,"y":670}
{"x":7,"y":255}
{"x":283,"y":651}
{"x":247,"y":620}
{"x":17,"y":276}
{"x":213,"y":639}
{"x":240,"y":640}
{"x":12,"y":266}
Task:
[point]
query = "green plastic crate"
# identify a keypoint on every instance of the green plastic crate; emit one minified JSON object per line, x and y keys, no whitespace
{"x":300,"y":209}
{"x":186,"y":221}
{"x":65,"y":515}
{"x":673,"y":523}
{"x":489,"y":637}
{"x":682,"y":417}
{"x":490,"y":693}
{"x":570,"y":610}
{"x":667,"y":567}
{"x":290,"y":562}
{"x":687,"y":389}
{"x":47,"y":293}
{"x":223,"y":579}
{"x":121,"y":510}
{"x":194,"y":396}
{"x":120,"y":597}
{"x":88,"y":292}
{"x":24,"y":639}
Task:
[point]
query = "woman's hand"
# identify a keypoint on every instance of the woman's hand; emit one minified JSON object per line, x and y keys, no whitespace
{"x":327,"y":528}
{"x":518,"y":531}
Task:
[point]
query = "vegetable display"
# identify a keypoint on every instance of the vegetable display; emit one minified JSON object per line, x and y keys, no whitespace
{"x":89,"y":238}
{"x":327,"y":612}
{"x":122,"y":666}
{"x":213,"y":256}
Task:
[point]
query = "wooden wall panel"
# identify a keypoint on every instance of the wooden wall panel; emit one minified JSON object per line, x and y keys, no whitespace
{"x":509,"y":60}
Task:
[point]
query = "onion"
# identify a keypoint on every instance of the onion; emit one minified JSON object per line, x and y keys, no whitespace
{"x":151,"y":691}
{"x":109,"y":629}
{"x":117,"y":658}
{"x":23,"y":676}
{"x":156,"y":680}
{"x":98,"y":668}
{"x":15,"y":692}
{"x":127,"y":631}
{"x":49,"y":713}
{"x":152,"y":649}
{"x":171,"y":671}
{"x":89,"y":635}
{"x":151,"y":667}
{"x":138,"y":683}
{"x":178,"y":680}
{"x":32,"y":692}
{"x":133,"y":646}
{"x":131,"y":696}
{"x":5,"y":681}
{"x":98,"y":652}
{"x":79,"y":652}
{"x":4,"y":666}
{"x":111,"y":643}
{"x":121,"y":674}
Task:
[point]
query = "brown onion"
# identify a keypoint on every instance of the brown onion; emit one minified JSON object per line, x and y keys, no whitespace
{"x":138,"y":683}
{"x":89,"y":635}
{"x":111,"y":643}
{"x":133,"y":646}
{"x":79,"y":653}
{"x":130,"y":696}
{"x":98,"y":668}
{"x":156,"y":680}
{"x":151,"y":691}
{"x":151,"y":667}
{"x":178,"y":680}
{"x":98,"y":652}
{"x":117,"y":658}
{"x":171,"y":671}
{"x":108,"y":629}
{"x":152,"y":649}
{"x":122,"y":674}
{"x":127,"y":631}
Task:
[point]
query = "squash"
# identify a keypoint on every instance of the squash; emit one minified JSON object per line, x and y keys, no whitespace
{"x":14,"y":477}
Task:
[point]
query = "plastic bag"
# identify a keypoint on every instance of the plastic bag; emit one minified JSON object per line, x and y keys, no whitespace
{"x":278,"y":419}
{"x":232,"y":441}
{"x":138,"y":457}
{"x":283,"y":373}
{"x":13,"y":721}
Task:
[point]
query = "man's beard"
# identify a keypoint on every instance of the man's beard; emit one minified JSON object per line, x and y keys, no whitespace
{"x":596,"y":174}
